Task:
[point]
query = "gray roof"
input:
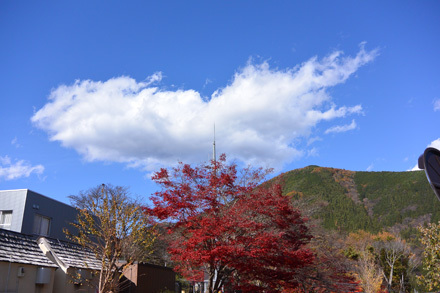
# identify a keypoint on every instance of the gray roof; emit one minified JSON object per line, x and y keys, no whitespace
{"x":21,"y":248}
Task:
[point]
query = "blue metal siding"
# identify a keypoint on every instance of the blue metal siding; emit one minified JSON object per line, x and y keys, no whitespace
{"x":25,"y":204}
{"x":59,"y":213}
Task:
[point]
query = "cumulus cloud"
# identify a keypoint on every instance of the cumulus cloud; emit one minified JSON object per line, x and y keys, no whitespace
{"x":342,"y":128}
{"x":259,"y":116}
{"x":435,"y":144}
{"x":415,"y":168}
{"x":19,"y":169}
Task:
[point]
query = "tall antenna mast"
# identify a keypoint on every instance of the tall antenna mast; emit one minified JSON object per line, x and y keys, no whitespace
{"x":213,"y":148}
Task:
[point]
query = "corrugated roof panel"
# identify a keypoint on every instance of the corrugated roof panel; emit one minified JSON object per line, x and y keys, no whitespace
{"x":20,"y":248}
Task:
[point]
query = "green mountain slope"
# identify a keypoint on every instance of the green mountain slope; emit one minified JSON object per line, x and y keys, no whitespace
{"x":350,"y":200}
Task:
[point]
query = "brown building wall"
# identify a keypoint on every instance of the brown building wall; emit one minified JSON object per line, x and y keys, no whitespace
{"x":150,"y":278}
{"x":64,"y":283}
{"x":11,"y":282}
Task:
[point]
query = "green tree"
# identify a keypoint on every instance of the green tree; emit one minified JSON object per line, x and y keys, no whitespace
{"x":115,"y":228}
{"x":430,"y":237}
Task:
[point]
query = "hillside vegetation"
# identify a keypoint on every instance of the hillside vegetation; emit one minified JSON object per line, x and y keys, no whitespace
{"x":349,"y":201}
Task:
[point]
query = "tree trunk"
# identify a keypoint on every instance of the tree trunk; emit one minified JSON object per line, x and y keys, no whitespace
{"x":402,"y":284}
{"x":390,"y":280}
{"x":211,"y":281}
{"x":101,"y":281}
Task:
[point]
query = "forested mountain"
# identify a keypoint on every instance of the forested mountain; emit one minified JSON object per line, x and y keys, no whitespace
{"x":349,"y":201}
{"x":362,"y":231}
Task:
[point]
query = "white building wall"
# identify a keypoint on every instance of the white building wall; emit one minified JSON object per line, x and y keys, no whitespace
{"x":15,"y":201}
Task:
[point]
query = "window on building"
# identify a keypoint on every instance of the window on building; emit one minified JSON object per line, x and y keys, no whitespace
{"x":41,"y":225}
{"x":5,"y":219}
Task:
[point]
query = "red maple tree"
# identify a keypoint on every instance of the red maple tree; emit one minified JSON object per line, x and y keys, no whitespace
{"x":224,"y":225}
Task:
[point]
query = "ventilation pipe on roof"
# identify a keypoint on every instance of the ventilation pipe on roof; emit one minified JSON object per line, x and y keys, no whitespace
{"x":50,"y":254}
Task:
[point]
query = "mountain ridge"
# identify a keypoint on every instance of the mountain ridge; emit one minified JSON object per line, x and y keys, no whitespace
{"x":371,"y":201}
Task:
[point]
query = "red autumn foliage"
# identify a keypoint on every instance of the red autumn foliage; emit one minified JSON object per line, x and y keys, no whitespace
{"x":223,"y":224}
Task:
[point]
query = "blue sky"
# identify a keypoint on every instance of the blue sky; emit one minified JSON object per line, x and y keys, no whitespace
{"x":108,"y":92}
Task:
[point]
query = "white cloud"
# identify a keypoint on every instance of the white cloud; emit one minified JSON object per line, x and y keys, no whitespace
{"x":435,"y":144}
{"x":342,"y":128}
{"x":207,"y":81}
{"x":312,"y":140}
{"x":370,"y":167}
{"x":437,"y":105}
{"x":19,"y":169}
{"x":259,"y":116}
{"x":415,"y":168}
{"x":15,"y":143}
{"x":313,"y":152}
